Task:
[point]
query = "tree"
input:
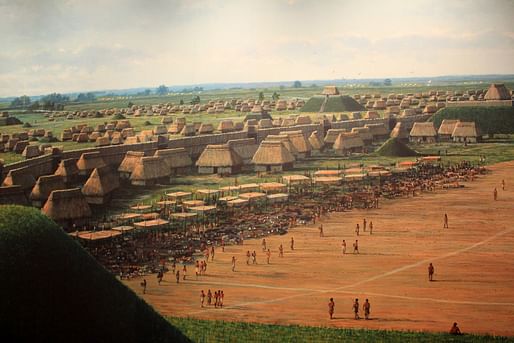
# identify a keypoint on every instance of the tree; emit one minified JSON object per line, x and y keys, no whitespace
{"x":297,"y":84}
{"x":261,"y":96}
{"x":147,"y":92}
{"x":35,"y":106}
{"x":195,"y":100}
{"x":130,"y":104}
{"x":181,"y":102}
{"x":22,"y":101}
{"x":56,"y":98}
{"x":387,"y":82}
{"x":86,"y":97}
{"x":162,"y":90}
{"x":275,"y":96}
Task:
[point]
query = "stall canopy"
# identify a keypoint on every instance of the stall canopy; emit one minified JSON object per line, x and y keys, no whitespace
{"x":151,"y":224}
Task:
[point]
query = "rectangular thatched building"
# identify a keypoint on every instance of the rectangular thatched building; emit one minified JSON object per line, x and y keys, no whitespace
{"x":219,"y":159}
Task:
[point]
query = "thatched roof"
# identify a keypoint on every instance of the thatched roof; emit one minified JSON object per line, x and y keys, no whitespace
{"x":332,"y":135}
{"x":89,"y":161}
{"x":244,"y":147}
{"x":330,"y":90}
{"x":67,"y":168}
{"x":205,"y":128}
{"x":423,"y":129}
{"x":226,"y":126}
{"x":315,"y":142}
{"x":101,"y":182}
{"x":378,"y":129}
{"x":364,"y":133}
{"x":348,"y":140}
{"x":220,"y":155}
{"x":298,"y":140}
{"x":265,"y":123}
{"x":497,"y":91}
{"x":20,"y":176}
{"x":465,"y":129}
{"x":12,"y":195}
{"x":45,"y":185}
{"x":175,"y":158}
{"x":303,"y":120}
{"x":272,"y":153}
{"x":447,"y":126}
{"x":150,"y":168}
{"x":67,"y":204}
{"x":285,"y":140}
{"x":400,"y":131}
{"x":129,"y":161}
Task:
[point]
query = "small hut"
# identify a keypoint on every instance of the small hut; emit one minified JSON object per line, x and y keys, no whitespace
{"x":286,"y":141}
{"x":497,"y":91}
{"x":331,"y":136}
{"x":44,"y":186}
{"x":177,"y":160}
{"x":316,"y":143}
{"x":100,"y":185}
{"x":205,"y":129}
{"x":378,"y":131}
{"x":465,"y":132}
{"x":365,"y":134}
{"x":245,"y":148}
{"x":446,"y":129}
{"x":303,"y":120}
{"x":423,"y":132}
{"x":300,"y":143}
{"x":31,"y":151}
{"x":188,"y":130}
{"x":67,"y":206}
{"x":129,"y":162}
{"x":20,"y":176}
{"x":149,"y":171}
{"x":12,"y":195}
{"x":226,"y":126}
{"x":348,"y":142}
{"x":68,"y":170}
{"x":89,"y":161}
{"x":330,"y":90}
{"x":219,"y":159}
{"x":273,"y":156}
{"x":400,"y":132}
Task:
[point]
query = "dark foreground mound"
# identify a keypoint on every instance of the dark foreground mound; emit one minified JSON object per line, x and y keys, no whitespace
{"x":54,"y":291}
{"x":395,"y":148}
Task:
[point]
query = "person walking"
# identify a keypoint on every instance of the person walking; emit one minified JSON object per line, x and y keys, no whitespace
{"x":431,"y":272}
{"x":367,"y":308}
{"x":331,"y":307}
{"x":233,"y":263}
{"x":356,"y":308}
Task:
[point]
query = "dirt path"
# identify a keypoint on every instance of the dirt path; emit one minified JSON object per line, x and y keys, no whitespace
{"x":473,"y":259}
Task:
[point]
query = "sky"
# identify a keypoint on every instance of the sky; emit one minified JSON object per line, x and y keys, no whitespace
{"x":84,"y":45}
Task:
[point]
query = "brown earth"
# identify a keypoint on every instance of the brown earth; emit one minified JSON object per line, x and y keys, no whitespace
{"x":473,"y":259}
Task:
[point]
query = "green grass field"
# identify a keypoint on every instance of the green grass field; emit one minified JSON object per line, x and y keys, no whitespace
{"x":218,"y":331}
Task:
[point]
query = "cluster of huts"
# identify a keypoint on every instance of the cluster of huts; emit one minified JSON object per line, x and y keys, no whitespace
{"x":449,"y":130}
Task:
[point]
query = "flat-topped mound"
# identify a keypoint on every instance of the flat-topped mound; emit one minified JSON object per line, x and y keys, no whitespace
{"x":334,"y":103}
{"x":54,"y":291}
{"x":395,"y":148}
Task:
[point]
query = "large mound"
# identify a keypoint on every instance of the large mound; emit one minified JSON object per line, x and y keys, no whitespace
{"x":54,"y":291}
{"x":394,"y":147}
{"x":335,"y":103}
{"x":489,"y":120}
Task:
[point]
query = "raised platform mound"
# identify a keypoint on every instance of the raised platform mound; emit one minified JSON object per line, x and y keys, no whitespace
{"x":54,"y":291}
{"x":395,"y":148}
{"x":334,"y":103}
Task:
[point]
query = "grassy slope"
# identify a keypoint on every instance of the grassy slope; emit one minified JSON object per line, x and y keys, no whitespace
{"x":490,"y":120}
{"x":54,"y":291}
{"x":218,"y":331}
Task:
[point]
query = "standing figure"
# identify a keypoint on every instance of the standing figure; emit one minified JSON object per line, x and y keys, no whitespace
{"x":370,"y":227}
{"x":495,"y":194}
{"x":202,"y":297}
{"x":331,"y":307}
{"x":367,"y":308}
{"x":356,"y":308}
{"x":143,"y":284}
{"x":292,"y":243}
{"x":268,"y":255}
{"x":209,"y":297}
{"x":503,"y":185}
{"x":357,"y":229}
{"x":263,"y":244}
{"x":177,"y":275}
{"x":364,"y":225}
{"x":356,"y":247}
{"x":321,"y":230}
{"x":343,"y":245}
{"x":248,"y":257}
{"x":445,"y":221}
{"x":280,"y":251}
{"x":233,"y":263}
{"x":430,"y":272}
{"x":184,"y":272}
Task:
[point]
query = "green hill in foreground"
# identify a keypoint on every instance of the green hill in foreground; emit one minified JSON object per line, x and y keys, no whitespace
{"x":395,"y":148}
{"x":490,"y":120}
{"x":218,"y":331}
{"x":54,"y":291}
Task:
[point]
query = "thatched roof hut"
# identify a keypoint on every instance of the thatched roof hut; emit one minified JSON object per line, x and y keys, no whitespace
{"x":20,"y":176}
{"x":244,"y":147}
{"x":371,"y":115}
{"x":430,"y":109}
{"x":423,"y":132}
{"x":12,"y":195}
{"x":465,"y":131}
{"x":265,"y":123}
{"x":66,"y":206}
{"x":364,"y":133}
{"x":497,"y":91}
{"x":330,"y":90}
{"x":226,"y":126}
{"x":188,"y":130}
{"x":205,"y":129}
{"x":177,"y":160}
{"x":303,"y":120}
{"x":285,"y":140}
{"x":100,"y":184}
{"x":44,"y":186}
{"x":446,"y":129}
{"x":220,"y":159}
{"x":348,"y":142}
{"x":272,"y":155}
{"x":400,"y":132}
{"x":316,"y":143}
{"x":89,"y":161}
{"x":150,"y":170}
{"x":379,"y":131}
{"x":331,"y":136}
{"x":129,"y":163}
{"x":31,"y":151}
{"x":300,"y":143}
{"x":68,"y":170}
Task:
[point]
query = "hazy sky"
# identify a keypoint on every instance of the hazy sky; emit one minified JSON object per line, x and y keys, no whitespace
{"x":79,"y":45}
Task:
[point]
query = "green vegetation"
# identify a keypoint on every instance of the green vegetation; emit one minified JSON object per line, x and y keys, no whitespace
{"x":335,"y":103}
{"x":490,"y":120}
{"x":219,"y":331}
{"x":54,"y":291}
{"x":395,"y":148}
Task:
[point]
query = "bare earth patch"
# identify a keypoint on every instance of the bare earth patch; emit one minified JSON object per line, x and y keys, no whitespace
{"x":473,"y":260}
